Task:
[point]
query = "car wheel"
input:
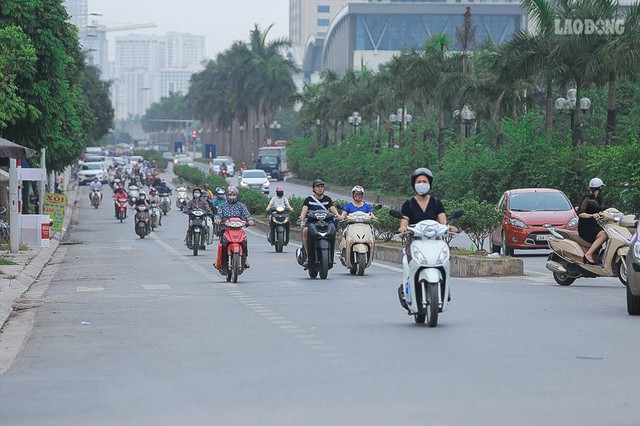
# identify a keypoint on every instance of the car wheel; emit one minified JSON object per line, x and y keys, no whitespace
{"x":506,"y":250}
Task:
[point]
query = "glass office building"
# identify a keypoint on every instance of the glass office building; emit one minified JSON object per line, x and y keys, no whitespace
{"x":369,"y":34}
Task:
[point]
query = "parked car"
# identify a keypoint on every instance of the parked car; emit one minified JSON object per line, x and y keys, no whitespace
{"x":177,"y":157}
{"x":528,"y":215}
{"x":217,"y":162}
{"x":167,"y":155}
{"x":633,"y":269}
{"x":255,"y":179}
{"x":90,"y":170}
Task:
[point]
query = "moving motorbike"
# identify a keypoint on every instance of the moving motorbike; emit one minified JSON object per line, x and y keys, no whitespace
{"x":134,"y":193}
{"x":181,"y":197}
{"x":235,"y":257}
{"x":95,"y":197}
{"x":425,"y":290}
{"x":122,"y":207}
{"x":165,"y":203}
{"x":357,"y":243}
{"x":198,"y":230}
{"x":321,"y":241}
{"x":279,"y":220}
{"x":566,"y":260}
{"x":154,"y":216}
{"x":142,"y":225}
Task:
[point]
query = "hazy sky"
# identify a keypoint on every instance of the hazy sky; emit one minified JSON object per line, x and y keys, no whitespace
{"x":220,"y":21}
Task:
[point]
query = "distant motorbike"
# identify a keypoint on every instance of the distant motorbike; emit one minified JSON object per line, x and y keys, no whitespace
{"x":181,"y":197}
{"x":122,"y":207}
{"x":235,"y":257}
{"x":197,"y":235}
{"x":321,"y":241}
{"x":142,"y":225}
{"x":154,"y":216}
{"x":425,"y":291}
{"x":279,"y":221}
{"x":357,"y":243}
{"x":567,"y":258}
{"x":134,"y":193}
{"x":95,"y":196}
{"x":165,"y":203}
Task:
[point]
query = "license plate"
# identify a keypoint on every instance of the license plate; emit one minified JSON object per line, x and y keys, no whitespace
{"x":545,"y":237}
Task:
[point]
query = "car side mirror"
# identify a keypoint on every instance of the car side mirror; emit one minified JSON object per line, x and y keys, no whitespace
{"x":395,"y":213}
{"x":457,"y":213}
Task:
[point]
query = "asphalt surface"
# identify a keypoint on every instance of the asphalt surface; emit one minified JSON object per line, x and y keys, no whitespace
{"x":129,"y":332}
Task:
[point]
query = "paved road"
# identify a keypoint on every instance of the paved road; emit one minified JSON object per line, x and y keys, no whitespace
{"x":136,"y":332}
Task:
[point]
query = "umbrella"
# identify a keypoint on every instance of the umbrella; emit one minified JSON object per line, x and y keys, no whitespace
{"x":13,"y":150}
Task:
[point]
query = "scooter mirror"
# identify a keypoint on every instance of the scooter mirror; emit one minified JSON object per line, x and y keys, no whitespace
{"x":377,"y":206}
{"x":457,"y":213}
{"x":395,"y":213}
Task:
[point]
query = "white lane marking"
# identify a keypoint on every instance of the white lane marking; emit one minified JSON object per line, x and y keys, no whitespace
{"x":156,"y":286}
{"x":87,"y":288}
{"x":234,"y":290}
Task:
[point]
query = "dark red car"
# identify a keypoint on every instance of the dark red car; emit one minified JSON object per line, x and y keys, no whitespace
{"x":528,"y":215}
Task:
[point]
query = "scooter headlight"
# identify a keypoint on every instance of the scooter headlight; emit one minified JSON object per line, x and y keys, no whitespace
{"x":636,"y":249}
{"x":417,"y":254}
{"x":444,"y":255}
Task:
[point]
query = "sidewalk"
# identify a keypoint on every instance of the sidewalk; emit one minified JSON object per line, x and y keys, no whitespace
{"x":16,"y":279}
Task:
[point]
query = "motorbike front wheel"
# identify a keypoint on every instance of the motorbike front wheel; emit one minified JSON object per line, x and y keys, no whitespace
{"x":234,"y":267}
{"x":324,"y":264}
{"x":361,"y":259}
{"x":313,"y":273}
{"x":622,"y":271}
{"x":195,"y":242}
{"x":433,"y":309}
{"x":563,"y":279}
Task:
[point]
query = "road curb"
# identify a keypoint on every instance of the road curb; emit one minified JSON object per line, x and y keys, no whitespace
{"x":29,"y":274}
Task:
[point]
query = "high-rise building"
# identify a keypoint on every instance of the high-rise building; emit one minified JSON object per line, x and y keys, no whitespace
{"x":149,"y":67}
{"x":79,"y":12}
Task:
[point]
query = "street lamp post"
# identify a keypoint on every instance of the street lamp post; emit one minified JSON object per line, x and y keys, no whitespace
{"x":467,"y":117}
{"x":568,"y":106}
{"x":355,"y":120}
{"x":402,"y":119}
{"x":274,"y":126}
{"x":256,"y":141}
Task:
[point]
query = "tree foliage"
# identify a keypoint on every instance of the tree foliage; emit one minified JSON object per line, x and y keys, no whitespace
{"x":172,"y":107}
{"x":96,"y":94}
{"x":17,"y":61}
{"x":58,"y":116}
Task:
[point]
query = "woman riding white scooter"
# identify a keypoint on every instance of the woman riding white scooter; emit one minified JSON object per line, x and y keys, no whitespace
{"x":421,"y":206}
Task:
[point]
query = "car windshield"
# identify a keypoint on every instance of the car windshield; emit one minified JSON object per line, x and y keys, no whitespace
{"x":539,"y":201}
{"x":91,"y":166}
{"x":250,"y":174}
{"x":219,"y":162}
{"x":270,"y":160}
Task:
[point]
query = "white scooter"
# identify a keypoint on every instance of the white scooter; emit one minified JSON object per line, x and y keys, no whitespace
{"x":425,"y":291}
{"x":357,"y":242}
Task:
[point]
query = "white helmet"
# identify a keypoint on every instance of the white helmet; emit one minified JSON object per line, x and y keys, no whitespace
{"x":596,"y":183}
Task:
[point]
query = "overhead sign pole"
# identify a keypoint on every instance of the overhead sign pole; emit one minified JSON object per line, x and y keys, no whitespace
{"x":210,"y":160}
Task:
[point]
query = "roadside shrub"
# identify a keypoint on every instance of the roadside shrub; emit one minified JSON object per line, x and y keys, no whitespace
{"x":255,"y":201}
{"x":190,"y":174}
{"x":478,"y":220}
{"x":386,"y":226}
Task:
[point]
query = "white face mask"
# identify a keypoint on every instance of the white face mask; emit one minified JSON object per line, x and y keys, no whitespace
{"x":422,"y":188}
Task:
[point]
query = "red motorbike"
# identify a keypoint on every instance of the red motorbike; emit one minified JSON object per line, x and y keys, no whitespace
{"x":122,"y":202}
{"x":235,"y":257}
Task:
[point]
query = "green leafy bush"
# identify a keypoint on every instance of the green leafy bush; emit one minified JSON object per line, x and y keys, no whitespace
{"x":386,"y":225}
{"x":255,"y":201}
{"x":478,"y":220}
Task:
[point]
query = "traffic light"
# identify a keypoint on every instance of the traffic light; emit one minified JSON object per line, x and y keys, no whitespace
{"x":194,"y":134}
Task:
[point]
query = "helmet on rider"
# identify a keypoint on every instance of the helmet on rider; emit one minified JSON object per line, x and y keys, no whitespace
{"x":422,"y":171}
{"x":142,"y":195}
{"x":317,"y":182}
{"x":196,"y":192}
{"x":596,"y":183}
{"x":280,"y":191}
{"x":219,"y":192}
{"x":152,"y":190}
{"x":206,"y":186}
{"x":232,"y":194}
{"x":357,"y":193}
{"x":95,"y":179}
